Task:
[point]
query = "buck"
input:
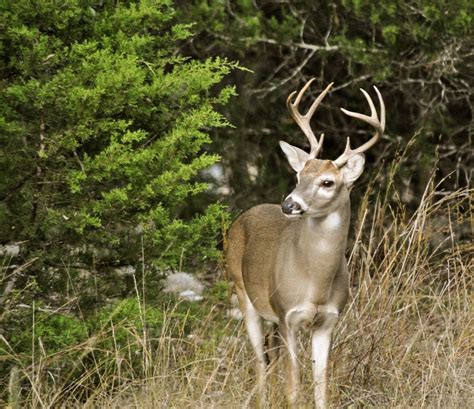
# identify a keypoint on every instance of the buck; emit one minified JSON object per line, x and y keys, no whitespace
{"x":288,"y":261}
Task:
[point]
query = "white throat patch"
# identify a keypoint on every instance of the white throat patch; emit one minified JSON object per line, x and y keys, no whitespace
{"x":332,"y":221}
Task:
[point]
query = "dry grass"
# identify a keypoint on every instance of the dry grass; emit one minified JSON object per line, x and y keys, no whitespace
{"x":404,"y":341}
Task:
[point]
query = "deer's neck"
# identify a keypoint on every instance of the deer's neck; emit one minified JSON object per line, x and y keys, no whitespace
{"x":325,"y":237}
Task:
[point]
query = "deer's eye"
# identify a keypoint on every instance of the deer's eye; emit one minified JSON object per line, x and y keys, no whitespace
{"x":328,"y":183}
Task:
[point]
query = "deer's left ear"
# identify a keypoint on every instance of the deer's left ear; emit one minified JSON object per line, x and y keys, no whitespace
{"x":353,"y":169}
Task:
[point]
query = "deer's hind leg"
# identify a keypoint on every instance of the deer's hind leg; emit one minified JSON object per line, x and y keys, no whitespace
{"x":254,"y":326}
{"x":273,"y":351}
{"x":272,"y":347}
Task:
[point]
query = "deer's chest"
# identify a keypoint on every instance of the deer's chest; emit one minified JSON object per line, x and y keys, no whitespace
{"x":301,"y":282}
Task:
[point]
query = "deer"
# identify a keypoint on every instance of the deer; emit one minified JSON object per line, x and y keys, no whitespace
{"x":287,"y":262}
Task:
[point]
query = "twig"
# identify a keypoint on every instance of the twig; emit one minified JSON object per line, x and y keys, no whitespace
{"x":301,"y":44}
{"x":264,"y":92}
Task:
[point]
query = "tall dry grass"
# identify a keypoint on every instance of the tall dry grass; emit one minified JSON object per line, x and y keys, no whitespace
{"x":405,"y":339}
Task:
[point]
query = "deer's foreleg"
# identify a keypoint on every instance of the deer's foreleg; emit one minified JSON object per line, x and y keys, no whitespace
{"x":320,"y":349}
{"x":291,"y":364}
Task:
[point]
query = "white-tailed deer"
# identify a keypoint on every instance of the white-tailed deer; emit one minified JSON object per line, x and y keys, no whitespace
{"x":288,"y":262}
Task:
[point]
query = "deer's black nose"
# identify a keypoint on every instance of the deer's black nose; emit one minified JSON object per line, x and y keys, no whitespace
{"x":289,"y":206}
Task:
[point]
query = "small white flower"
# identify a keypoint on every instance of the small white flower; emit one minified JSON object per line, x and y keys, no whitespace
{"x":125,"y":270}
{"x":235,"y":314}
{"x":185,"y":285}
{"x":190,"y":295}
{"x":10,"y":250}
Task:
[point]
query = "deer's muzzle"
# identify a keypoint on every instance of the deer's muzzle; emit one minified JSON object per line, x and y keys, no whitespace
{"x":289,"y":206}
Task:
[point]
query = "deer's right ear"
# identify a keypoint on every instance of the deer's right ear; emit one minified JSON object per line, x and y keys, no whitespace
{"x":296,"y":156}
{"x":353,"y":168}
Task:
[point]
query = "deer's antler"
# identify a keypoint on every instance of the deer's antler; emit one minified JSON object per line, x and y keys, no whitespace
{"x":303,"y":120}
{"x":372,"y":120}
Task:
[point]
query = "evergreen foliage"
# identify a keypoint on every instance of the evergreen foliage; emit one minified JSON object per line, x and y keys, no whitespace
{"x":103,"y":126}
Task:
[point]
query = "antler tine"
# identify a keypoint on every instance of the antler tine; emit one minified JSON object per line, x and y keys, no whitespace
{"x":372,"y":120}
{"x":302,"y":91}
{"x":382,"y":108}
{"x":316,"y":103}
{"x":303,"y":121}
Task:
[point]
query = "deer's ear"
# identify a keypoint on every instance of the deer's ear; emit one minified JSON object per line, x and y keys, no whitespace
{"x":296,"y":156}
{"x":353,"y":169}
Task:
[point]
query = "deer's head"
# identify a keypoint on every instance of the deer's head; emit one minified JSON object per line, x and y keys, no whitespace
{"x":323,"y":185}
